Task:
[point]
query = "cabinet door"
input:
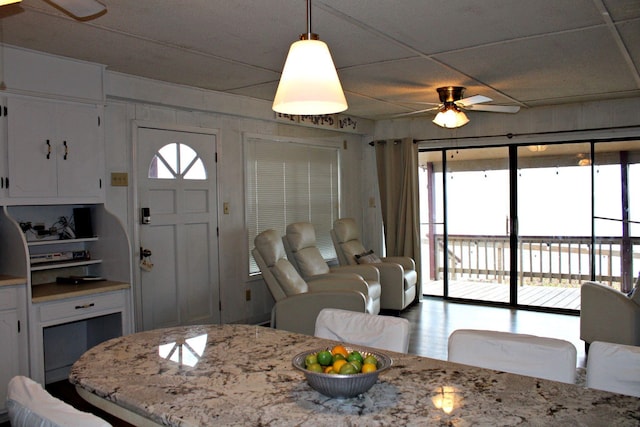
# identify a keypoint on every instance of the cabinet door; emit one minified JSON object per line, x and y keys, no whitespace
{"x":78,"y":151}
{"x":32,"y":159}
{"x":9,"y":356}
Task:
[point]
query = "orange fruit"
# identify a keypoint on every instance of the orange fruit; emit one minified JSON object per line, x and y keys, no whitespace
{"x":368,"y":367}
{"x":328,"y":370}
{"x":338,"y":364}
{"x":340,"y":349}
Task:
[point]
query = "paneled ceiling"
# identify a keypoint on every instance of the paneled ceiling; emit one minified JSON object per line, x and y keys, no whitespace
{"x":389,"y":54}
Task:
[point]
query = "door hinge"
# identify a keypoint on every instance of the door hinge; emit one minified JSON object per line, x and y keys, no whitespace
{"x":18,"y":326}
{"x":217,"y":231}
{"x":216,"y":156}
{"x":219,"y":305}
{"x":98,"y":121}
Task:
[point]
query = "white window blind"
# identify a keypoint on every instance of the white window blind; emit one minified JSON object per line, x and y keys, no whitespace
{"x":289,"y":182}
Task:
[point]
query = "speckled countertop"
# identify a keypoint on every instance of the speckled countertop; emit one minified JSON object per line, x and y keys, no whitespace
{"x":242,"y":375}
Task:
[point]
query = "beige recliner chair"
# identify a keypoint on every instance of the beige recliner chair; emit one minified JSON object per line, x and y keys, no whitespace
{"x":398,"y":275}
{"x":609,"y":315}
{"x":300,"y":246}
{"x":298,"y":303}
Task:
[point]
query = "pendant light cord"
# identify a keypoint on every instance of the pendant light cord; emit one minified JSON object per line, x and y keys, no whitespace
{"x":308,"y":19}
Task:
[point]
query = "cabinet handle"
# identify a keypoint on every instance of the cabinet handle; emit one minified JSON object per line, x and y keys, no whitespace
{"x":66,"y":150}
{"x":48,"y":150}
{"x":80,"y":307}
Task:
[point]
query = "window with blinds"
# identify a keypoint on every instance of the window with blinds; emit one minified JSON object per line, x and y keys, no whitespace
{"x":291,"y":181}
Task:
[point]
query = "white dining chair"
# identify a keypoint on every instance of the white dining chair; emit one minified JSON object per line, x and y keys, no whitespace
{"x":530,"y":355}
{"x":31,"y":405}
{"x":614,"y":367}
{"x":350,"y":327}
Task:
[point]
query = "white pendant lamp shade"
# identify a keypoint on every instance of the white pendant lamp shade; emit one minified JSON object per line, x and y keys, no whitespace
{"x":451,"y":118}
{"x":309,"y":84}
{"x":6,"y":2}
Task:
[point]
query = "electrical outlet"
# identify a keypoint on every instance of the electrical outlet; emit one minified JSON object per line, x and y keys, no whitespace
{"x":247,"y":295}
{"x":119,"y":179}
{"x":225,"y":210}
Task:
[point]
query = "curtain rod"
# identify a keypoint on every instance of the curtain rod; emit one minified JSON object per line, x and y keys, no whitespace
{"x":513,"y":135}
{"x":382,"y":141}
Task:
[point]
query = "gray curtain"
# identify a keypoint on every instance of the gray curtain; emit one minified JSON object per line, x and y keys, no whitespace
{"x":397,"y":163}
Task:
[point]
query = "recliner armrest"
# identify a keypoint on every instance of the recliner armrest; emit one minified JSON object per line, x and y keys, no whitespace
{"x":368,"y":272}
{"x":336,"y":282}
{"x":406,"y":262}
{"x":298,"y":313}
{"x":391,"y":274}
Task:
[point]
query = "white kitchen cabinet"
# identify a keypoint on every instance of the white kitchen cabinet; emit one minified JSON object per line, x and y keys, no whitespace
{"x":54,"y":150}
{"x":13,"y":336}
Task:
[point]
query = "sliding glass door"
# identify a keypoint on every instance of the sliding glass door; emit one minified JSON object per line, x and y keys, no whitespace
{"x":526,"y":225}
{"x":554,"y":224}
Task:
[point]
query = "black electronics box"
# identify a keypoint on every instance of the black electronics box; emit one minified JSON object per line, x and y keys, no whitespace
{"x":82,"y":222}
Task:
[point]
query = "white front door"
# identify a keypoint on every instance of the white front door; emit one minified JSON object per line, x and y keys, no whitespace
{"x":176,"y":182}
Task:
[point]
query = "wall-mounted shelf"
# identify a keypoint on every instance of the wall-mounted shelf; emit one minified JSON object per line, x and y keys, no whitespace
{"x":64,"y":264}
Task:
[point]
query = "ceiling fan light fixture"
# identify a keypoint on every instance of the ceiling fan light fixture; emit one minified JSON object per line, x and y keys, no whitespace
{"x":309,"y":84}
{"x":451,"y":117}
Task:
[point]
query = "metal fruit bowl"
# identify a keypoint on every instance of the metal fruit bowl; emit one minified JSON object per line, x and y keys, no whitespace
{"x":342,"y":386}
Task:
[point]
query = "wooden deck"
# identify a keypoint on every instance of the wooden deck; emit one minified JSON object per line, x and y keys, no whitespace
{"x":537,"y":296}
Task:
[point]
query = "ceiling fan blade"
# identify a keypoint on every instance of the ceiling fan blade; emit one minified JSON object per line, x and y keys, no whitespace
{"x":417,"y":112}
{"x":494,"y":108}
{"x":422,"y":102}
{"x":80,"y":8}
{"x":475,"y":99}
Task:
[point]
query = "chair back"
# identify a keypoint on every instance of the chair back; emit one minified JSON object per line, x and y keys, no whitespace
{"x":614,"y":367}
{"x":31,"y":405}
{"x":541,"y":357}
{"x":281,"y":277}
{"x":300,"y":246}
{"x":383,"y":332}
{"x":346,"y":240}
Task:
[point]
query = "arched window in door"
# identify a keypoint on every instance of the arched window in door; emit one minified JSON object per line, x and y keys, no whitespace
{"x":177,"y":161}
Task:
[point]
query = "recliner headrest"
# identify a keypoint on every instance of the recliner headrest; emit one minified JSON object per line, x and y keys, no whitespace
{"x":301,"y":235}
{"x":346,"y":229}
{"x":269,"y":245}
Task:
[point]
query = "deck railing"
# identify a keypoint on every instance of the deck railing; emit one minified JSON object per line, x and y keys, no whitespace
{"x":542,"y":260}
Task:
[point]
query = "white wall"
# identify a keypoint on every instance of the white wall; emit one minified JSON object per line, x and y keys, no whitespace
{"x":132,"y":99}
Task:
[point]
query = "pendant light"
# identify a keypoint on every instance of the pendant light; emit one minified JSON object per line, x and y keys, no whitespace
{"x":309,"y":84}
{"x":6,"y":2}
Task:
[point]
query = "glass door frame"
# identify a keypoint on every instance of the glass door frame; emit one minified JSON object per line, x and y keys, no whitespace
{"x":513,"y":225}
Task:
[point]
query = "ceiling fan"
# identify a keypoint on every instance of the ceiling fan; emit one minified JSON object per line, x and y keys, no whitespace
{"x":79,"y":9}
{"x":450,"y":114}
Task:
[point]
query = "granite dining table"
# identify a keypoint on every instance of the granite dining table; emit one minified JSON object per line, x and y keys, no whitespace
{"x":242,"y":375}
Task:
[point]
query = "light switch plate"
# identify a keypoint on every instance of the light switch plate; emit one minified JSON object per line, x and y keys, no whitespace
{"x":119,"y":179}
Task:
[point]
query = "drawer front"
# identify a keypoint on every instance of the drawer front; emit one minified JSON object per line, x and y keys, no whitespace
{"x":8,"y":298}
{"x":80,"y":306}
